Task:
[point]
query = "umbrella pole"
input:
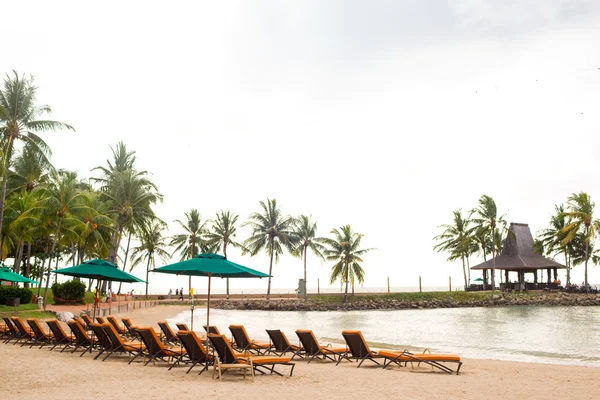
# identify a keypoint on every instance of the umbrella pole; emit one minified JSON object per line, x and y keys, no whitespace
{"x":208,"y":306}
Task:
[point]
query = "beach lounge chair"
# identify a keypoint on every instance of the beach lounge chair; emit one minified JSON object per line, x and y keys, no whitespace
{"x":82,"y":339}
{"x":100,"y":320}
{"x":168,"y":335}
{"x":358,"y":349}
{"x":25,"y":332}
{"x":118,"y":345}
{"x":434,"y":360}
{"x":313,"y":349}
{"x":261,"y":364}
{"x":102,"y":339}
{"x":4,"y":332}
{"x":39,"y":335}
{"x":60,"y":336}
{"x":195,"y":351}
{"x":130,"y":327}
{"x":88,"y":320}
{"x":154,"y":348}
{"x":14,"y":333}
{"x":120,"y":329}
{"x":182,"y":327}
{"x":281,"y":345}
{"x":243,"y":342}
{"x":212,"y":330}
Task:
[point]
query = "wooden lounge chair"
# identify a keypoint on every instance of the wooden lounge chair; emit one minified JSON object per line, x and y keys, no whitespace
{"x":313,"y":349}
{"x":25,"y":332}
{"x":118,"y":345}
{"x":88,"y":320}
{"x":168,"y":335}
{"x":358,"y":349}
{"x":82,"y":339}
{"x":130,"y":327}
{"x":154,"y":348}
{"x":120,"y":329}
{"x":281,"y":345}
{"x":434,"y":360}
{"x":102,"y":339}
{"x":212,"y":330}
{"x":14,"y":333}
{"x":182,"y":327}
{"x":195,"y":351}
{"x":39,"y":335}
{"x":60,"y":336}
{"x":259,"y":363}
{"x":243,"y":342}
{"x":100,"y":320}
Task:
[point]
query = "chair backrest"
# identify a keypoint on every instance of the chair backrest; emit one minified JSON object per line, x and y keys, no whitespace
{"x":279,"y":340}
{"x":113,"y":336}
{"x":38,"y":332}
{"x":223,"y":348}
{"x":100,"y":320}
{"x":11,"y":327}
{"x":113,"y":321}
{"x":169,"y":334}
{"x":127,"y":322}
{"x":213,"y":330}
{"x":80,"y":320}
{"x":57,"y":330}
{"x":193,"y":346}
{"x":81,"y":336}
{"x":182,"y":327}
{"x":88,"y":320}
{"x":20,"y":326}
{"x":103,"y":338}
{"x":240,"y":336}
{"x":356,"y":343}
{"x":309,"y":341}
{"x":151,"y":341}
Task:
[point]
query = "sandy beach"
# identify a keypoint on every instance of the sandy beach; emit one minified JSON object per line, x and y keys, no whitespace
{"x":29,"y":372}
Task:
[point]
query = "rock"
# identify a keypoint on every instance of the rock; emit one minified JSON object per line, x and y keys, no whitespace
{"x":64,"y":316}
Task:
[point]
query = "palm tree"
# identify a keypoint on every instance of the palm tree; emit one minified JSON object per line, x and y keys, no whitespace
{"x":19,"y":122}
{"x":581,"y":211}
{"x":191,"y":242}
{"x":222,"y":234}
{"x":270,"y":230}
{"x":456,"y":241}
{"x":305,"y":234}
{"x":152,"y":245}
{"x":487,"y":214}
{"x":29,"y":169}
{"x":553,"y":238}
{"x":345,"y":249}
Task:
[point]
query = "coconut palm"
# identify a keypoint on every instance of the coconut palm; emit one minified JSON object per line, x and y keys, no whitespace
{"x":487,"y":217}
{"x":20,"y":122}
{"x":29,"y":169}
{"x":222,"y":234}
{"x":553,"y":238}
{"x":580,"y":209}
{"x":305,"y":234}
{"x":455,"y":240}
{"x":192,"y":241}
{"x":270,"y":231}
{"x":345,"y":249}
{"x":152,"y":245}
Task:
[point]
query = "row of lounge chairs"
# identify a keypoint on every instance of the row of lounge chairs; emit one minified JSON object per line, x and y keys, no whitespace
{"x":108,"y":337}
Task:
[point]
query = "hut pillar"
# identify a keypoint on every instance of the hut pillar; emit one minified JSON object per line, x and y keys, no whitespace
{"x":506,"y":276}
{"x":485,"y":279}
{"x":549,"y":277}
{"x":555,"y":274}
{"x":535,"y":278}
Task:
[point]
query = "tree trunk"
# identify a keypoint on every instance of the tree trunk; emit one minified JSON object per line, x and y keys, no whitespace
{"x":28,"y":264}
{"x":305,"y":285}
{"x":493,"y":259}
{"x":125,"y":261}
{"x":567,"y":265}
{"x":468,"y":270}
{"x":41,"y":276}
{"x":56,"y":234}
{"x":20,"y":246}
{"x":147,"y":272}
{"x":587,"y":249}
{"x":270,"y":271}
{"x":3,"y":195}
{"x":226,"y":279}
{"x":465,"y":272}
{"x":347,"y":282}
{"x":114,"y":251}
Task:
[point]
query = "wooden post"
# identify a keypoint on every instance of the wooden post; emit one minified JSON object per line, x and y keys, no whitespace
{"x":420,"y":289}
{"x":449,"y":283}
{"x":388,"y":279}
{"x":318,"y":286}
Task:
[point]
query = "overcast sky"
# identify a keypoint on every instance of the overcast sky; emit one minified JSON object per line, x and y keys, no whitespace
{"x":385,"y":115}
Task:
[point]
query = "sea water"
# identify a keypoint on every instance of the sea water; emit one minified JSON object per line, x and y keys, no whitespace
{"x":556,"y":335}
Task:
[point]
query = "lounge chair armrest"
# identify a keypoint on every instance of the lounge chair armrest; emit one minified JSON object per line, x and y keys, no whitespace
{"x":426,"y":351}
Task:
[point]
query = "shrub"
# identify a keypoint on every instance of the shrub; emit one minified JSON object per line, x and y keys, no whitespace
{"x":68,"y":292}
{"x":15,"y":291}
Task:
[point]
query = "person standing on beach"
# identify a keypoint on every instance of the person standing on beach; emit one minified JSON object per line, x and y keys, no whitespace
{"x":170,"y":293}
{"x":181,"y":294}
{"x":108,"y":295}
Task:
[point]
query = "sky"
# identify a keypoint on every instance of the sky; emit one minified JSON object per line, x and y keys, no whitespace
{"x":385,"y":115}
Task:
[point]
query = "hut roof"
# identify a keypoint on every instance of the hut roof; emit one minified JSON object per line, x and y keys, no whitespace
{"x":517,"y":253}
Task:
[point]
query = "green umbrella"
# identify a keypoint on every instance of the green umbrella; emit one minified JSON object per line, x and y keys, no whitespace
{"x":209,"y":264}
{"x":7,"y":275}
{"x":99,"y":269}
